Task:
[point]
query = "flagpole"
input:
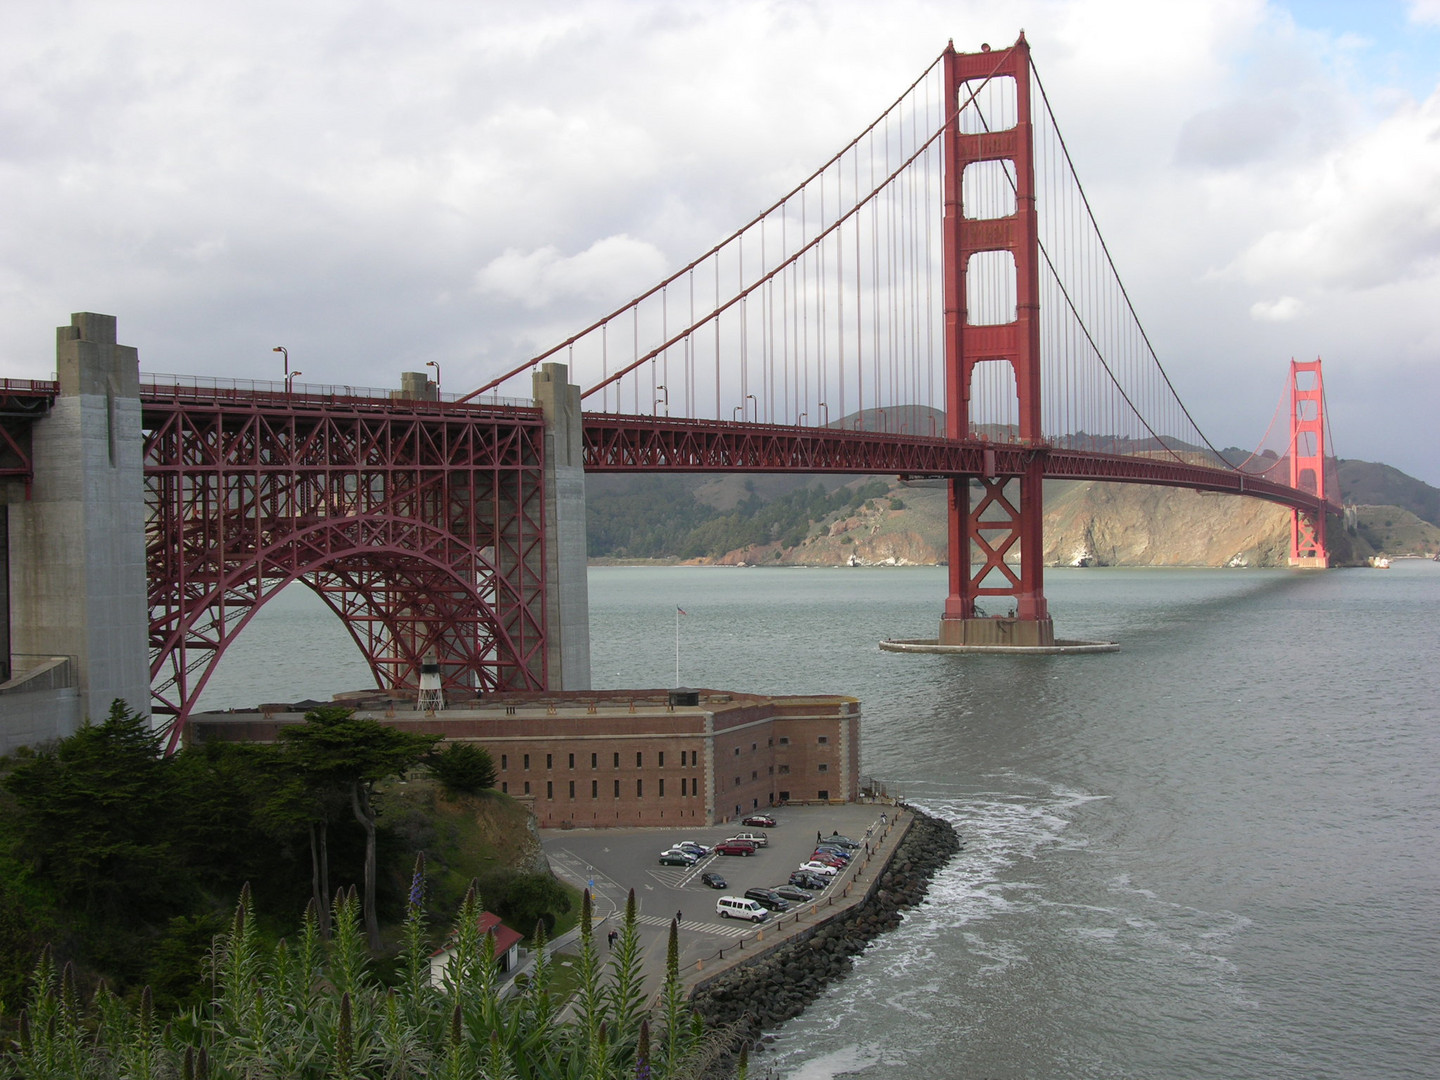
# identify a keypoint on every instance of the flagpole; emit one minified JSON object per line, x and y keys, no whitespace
{"x":677,"y":646}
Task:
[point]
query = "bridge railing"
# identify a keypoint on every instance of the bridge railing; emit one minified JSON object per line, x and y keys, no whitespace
{"x":208,"y":388}
{"x":29,"y":386}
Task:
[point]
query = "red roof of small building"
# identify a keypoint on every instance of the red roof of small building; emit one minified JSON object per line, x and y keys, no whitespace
{"x":505,"y":938}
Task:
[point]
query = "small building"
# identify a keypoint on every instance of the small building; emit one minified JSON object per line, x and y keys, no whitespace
{"x":505,"y":942}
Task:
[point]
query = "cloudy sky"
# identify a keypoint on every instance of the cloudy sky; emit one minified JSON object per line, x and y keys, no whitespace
{"x":377,"y":184}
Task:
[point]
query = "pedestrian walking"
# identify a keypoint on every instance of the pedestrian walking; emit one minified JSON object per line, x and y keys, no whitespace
{"x":612,"y":937}
{"x":678,"y":918}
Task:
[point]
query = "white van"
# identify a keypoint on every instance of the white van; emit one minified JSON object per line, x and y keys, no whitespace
{"x":737,"y":907}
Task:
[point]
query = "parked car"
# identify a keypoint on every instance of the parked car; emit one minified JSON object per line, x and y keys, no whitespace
{"x":828,"y":859}
{"x":689,"y":856}
{"x":714,"y":880}
{"x":838,"y":852}
{"x":698,"y":850}
{"x":735,"y":847}
{"x":768,"y":898}
{"x":842,"y":841}
{"x":759,"y":839}
{"x":735,"y":907}
{"x":807,"y":880}
{"x":823,"y":869}
{"x":793,"y":893}
{"x":764,"y":821}
{"x":675,"y":858}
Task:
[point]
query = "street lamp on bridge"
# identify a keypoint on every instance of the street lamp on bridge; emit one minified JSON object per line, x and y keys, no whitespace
{"x":286,"y":352}
{"x":751,"y":397}
{"x":290,"y":381}
{"x":663,"y":399}
{"x":436,"y":365}
{"x":825,"y":416}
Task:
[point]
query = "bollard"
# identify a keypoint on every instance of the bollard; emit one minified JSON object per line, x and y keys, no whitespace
{"x":760,"y":936}
{"x":700,"y":964}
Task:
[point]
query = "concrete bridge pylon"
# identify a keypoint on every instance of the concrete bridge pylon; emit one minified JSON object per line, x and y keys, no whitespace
{"x":567,"y":607}
{"x":76,"y":545}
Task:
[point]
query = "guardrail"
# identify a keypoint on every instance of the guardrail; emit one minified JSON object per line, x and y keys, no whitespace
{"x":813,"y":914}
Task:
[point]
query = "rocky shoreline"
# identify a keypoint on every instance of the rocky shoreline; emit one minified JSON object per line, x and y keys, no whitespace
{"x":777,"y":986}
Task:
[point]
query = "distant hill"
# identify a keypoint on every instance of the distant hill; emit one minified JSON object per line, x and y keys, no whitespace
{"x":1369,"y":483}
{"x":828,"y":520}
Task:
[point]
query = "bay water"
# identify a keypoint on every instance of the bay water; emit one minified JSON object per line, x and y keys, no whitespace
{"x":1210,"y":854}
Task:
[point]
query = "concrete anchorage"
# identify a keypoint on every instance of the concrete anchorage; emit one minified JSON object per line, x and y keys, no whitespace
{"x":77,"y":578}
{"x":567,"y":606}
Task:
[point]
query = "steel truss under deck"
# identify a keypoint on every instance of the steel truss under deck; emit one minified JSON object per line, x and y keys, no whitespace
{"x":420,"y":524}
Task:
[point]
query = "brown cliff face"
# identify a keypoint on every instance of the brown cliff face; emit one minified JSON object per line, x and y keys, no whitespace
{"x":1094,"y":523}
{"x":1139,"y":525}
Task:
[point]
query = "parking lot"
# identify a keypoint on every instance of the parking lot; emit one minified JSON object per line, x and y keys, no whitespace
{"x":610,"y":862}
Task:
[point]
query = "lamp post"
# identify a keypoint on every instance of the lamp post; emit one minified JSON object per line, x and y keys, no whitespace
{"x":735,"y":413}
{"x":286,"y":352}
{"x":663,"y":399}
{"x":436,"y":365}
{"x":290,"y":381}
{"x":825,"y":417}
{"x":751,"y":397}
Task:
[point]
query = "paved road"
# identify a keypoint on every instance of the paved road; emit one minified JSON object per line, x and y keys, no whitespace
{"x":610,"y":862}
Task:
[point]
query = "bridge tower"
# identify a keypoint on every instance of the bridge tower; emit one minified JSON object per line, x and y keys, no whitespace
{"x":991,"y":515}
{"x":1307,"y":462}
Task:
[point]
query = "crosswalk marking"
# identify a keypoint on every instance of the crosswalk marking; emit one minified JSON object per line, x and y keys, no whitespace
{"x":726,"y":929}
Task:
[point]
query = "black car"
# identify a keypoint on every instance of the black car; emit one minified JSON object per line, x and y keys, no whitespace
{"x":714,"y":880}
{"x":793,"y":893}
{"x":768,"y":898}
{"x":807,"y":880}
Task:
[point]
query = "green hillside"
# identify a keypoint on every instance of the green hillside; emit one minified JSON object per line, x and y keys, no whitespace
{"x":1369,"y":483}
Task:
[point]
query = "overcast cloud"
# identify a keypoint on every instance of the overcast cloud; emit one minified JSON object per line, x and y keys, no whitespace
{"x":377,"y":185}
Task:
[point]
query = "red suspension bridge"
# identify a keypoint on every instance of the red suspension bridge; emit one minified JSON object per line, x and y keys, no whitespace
{"x":935,"y":301}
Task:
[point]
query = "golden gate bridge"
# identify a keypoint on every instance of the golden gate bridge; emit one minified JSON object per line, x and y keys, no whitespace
{"x":936,"y":300}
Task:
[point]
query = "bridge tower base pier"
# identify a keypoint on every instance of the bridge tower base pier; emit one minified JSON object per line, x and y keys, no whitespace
{"x":985,"y":633}
{"x":77,"y":544}
{"x":567,"y":596}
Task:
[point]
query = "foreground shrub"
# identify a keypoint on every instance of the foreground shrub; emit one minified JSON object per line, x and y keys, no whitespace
{"x":314,"y":1009}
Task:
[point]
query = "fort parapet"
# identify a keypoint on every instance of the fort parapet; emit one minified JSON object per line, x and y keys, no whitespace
{"x":598,"y":758}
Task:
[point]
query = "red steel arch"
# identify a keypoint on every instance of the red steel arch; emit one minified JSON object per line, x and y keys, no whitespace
{"x":421,"y":524}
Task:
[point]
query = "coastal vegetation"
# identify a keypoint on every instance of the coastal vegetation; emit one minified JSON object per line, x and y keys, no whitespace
{"x":125,"y":863}
{"x":306,"y":1007}
{"x":663,"y":517}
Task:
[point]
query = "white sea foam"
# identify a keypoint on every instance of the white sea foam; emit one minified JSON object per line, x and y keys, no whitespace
{"x":844,"y":1061}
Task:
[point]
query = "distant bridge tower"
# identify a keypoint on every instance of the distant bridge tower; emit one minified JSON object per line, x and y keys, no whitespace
{"x":1307,"y":462}
{"x":1005,"y":510}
